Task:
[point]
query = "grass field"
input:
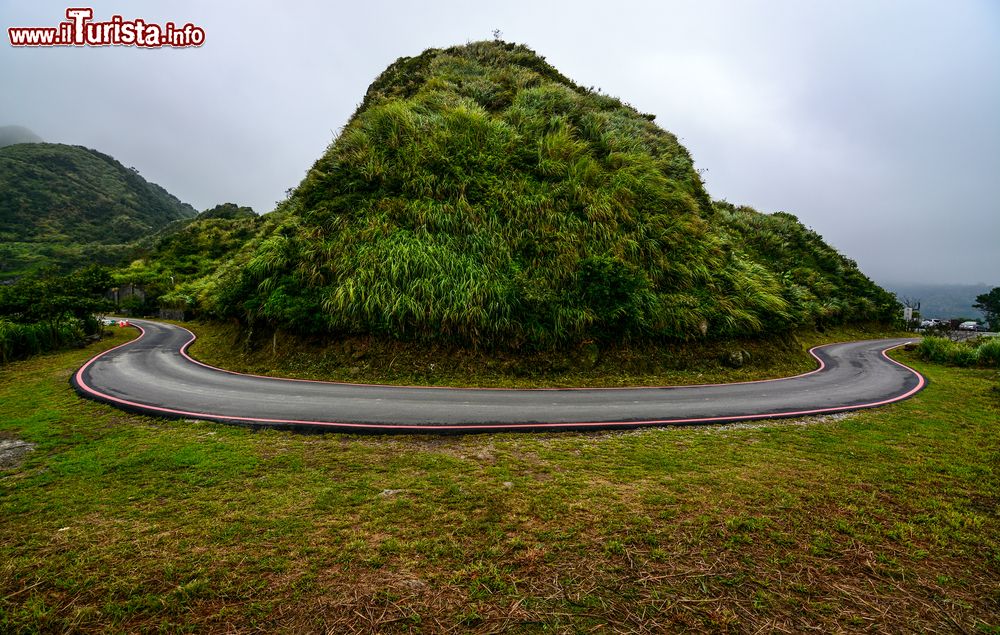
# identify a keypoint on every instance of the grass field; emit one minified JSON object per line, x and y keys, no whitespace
{"x":884,"y":520}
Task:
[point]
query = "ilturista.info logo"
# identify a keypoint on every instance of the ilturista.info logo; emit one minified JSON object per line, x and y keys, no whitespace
{"x":80,"y":29}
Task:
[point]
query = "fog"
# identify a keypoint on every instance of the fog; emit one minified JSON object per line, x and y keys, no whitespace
{"x":876,"y":123}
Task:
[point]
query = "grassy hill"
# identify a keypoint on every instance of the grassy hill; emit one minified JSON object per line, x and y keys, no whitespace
{"x":70,"y":205}
{"x":186,"y":254}
{"x":479,"y":197}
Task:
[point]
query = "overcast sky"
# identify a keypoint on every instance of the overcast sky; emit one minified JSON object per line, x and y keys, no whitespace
{"x":876,"y":123}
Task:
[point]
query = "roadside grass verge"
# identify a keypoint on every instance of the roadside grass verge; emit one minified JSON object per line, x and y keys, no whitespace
{"x":983,"y":352}
{"x":884,"y":520}
{"x":386,"y":361}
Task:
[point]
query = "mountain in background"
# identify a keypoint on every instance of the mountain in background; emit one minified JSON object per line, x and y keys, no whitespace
{"x":9,"y":135}
{"x":480,"y":197}
{"x":68,"y":206}
{"x":188,"y":251}
{"x":942,"y":301}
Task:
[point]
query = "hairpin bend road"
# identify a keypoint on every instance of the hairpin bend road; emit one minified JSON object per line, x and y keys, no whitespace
{"x":154,"y":375}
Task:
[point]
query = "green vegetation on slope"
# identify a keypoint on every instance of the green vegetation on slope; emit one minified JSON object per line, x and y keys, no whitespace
{"x":881,"y":520}
{"x":71,"y":206}
{"x":819,"y":285}
{"x":479,"y":197}
{"x":177,"y":262}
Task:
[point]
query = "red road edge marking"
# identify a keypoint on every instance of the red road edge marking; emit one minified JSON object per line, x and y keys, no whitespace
{"x":921,"y":382}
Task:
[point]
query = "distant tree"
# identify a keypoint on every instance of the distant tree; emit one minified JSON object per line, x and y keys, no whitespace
{"x":910,"y":303}
{"x":989,"y":304}
{"x":227,"y":210}
{"x":46,"y":311}
{"x":49,"y":297}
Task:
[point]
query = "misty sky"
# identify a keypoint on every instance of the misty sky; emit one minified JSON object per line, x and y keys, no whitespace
{"x":876,"y":123}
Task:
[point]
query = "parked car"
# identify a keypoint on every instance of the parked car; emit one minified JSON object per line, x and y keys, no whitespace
{"x":968,"y":326}
{"x":933,"y":323}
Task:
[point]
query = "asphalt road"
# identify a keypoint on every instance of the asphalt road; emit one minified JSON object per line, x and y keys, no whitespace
{"x":154,"y":375}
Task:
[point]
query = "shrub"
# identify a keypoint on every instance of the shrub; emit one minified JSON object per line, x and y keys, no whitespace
{"x":18,"y":341}
{"x":984,"y":352}
{"x":989,"y":353}
{"x":936,"y":349}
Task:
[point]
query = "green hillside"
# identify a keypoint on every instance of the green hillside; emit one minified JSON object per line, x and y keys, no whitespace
{"x":479,"y":197}
{"x":70,"y":206}
{"x":185,"y":255}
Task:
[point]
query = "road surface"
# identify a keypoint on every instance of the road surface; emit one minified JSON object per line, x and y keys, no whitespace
{"x":154,"y":375}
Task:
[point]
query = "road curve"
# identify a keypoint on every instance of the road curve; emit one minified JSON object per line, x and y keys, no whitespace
{"x":154,"y":375}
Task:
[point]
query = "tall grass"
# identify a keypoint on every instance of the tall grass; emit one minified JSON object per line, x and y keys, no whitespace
{"x":984,"y":352}
{"x":480,"y":197}
{"x":989,"y":353}
{"x":18,"y":341}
